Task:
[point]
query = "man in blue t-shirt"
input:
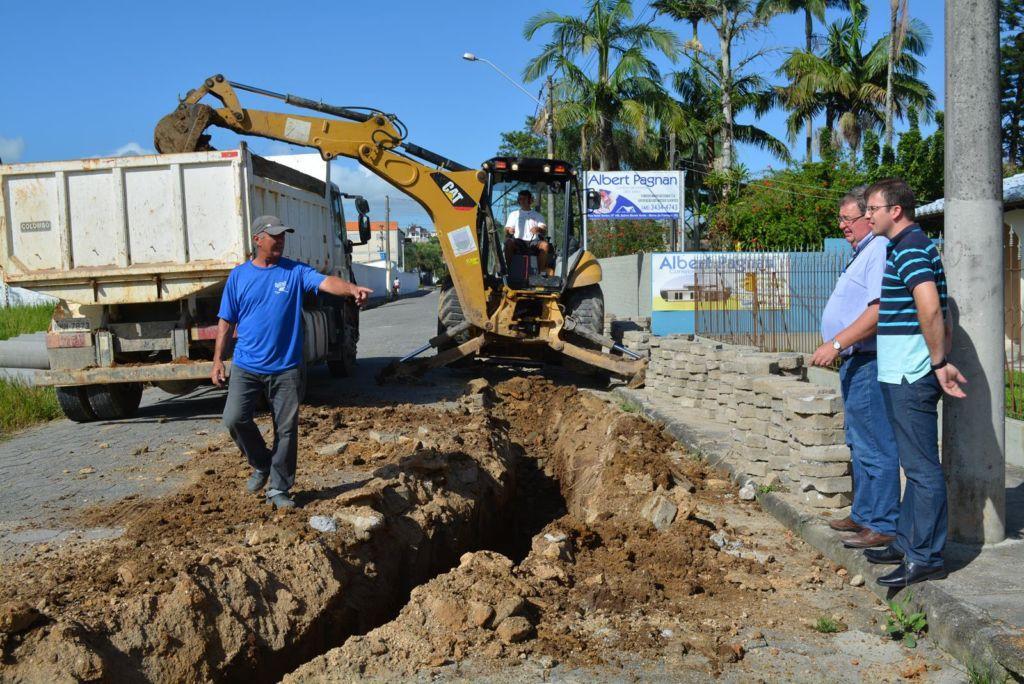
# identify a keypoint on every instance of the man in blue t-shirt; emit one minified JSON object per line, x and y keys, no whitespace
{"x":263,"y":299}
{"x":914,"y":336}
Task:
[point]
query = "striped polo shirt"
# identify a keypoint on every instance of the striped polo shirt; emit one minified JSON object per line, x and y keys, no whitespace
{"x":912,"y":259}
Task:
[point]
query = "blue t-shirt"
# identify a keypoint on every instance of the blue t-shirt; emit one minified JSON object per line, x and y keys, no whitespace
{"x":266,"y":304}
{"x":902,"y":351}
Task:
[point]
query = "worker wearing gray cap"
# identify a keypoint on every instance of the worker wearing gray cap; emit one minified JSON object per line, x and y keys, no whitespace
{"x":263,"y":300}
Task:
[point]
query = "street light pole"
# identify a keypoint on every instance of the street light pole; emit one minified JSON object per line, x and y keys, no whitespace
{"x":549,"y":123}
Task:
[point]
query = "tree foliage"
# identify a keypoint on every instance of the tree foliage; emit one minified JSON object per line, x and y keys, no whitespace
{"x":1011,"y":49}
{"x":426,"y":256}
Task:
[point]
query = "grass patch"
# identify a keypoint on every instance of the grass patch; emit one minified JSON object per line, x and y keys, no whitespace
{"x":24,"y":319}
{"x":1015,"y":394}
{"x":768,"y":488}
{"x":22,"y":405}
{"x":827,"y":625}
{"x":629,"y":406}
{"x":904,"y":625}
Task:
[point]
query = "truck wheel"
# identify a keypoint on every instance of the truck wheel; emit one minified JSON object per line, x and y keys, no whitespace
{"x":345,"y":365}
{"x":111,"y":402}
{"x":74,"y":402}
{"x":586,"y":305}
{"x":449,"y":314}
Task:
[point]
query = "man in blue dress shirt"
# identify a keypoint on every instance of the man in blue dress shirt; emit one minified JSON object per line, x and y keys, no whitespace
{"x":848,"y":327}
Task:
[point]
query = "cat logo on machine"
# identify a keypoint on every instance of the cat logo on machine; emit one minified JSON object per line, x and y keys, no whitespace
{"x":456,"y":195}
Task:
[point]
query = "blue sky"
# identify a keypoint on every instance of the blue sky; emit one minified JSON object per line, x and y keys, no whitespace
{"x":91,"y":79}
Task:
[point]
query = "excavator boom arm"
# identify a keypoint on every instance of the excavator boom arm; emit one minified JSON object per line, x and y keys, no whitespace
{"x":449,"y":192}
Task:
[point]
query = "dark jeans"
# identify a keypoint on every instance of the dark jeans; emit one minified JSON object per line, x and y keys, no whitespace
{"x":913,"y":412}
{"x":876,"y":461}
{"x":283,"y":392}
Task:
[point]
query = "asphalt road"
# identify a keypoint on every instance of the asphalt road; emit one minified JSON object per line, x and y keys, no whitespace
{"x":51,"y":470}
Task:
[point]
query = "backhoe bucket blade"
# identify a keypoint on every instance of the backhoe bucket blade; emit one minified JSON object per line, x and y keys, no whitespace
{"x":416,"y":367}
{"x":632,"y":369}
{"x":182,"y":130}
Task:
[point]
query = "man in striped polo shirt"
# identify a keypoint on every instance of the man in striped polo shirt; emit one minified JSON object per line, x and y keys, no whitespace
{"x":913,"y":338}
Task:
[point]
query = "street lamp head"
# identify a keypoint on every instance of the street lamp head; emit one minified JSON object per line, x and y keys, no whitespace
{"x":469,"y":56}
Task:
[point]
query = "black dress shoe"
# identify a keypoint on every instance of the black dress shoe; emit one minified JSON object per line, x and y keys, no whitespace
{"x":887,"y":556}
{"x":911,"y":573}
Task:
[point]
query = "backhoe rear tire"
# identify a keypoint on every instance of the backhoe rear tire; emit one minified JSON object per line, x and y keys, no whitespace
{"x":113,"y":402}
{"x":74,"y":402}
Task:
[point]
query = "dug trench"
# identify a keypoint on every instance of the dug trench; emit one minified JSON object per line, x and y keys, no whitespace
{"x":526,"y":527}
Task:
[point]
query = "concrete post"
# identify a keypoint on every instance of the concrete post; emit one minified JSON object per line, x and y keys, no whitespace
{"x":973,"y":439}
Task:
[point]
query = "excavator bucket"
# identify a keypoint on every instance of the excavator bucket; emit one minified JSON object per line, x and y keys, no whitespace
{"x":183,"y":130}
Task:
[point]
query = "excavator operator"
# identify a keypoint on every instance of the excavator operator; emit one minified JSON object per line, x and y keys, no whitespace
{"x":527,"y":232}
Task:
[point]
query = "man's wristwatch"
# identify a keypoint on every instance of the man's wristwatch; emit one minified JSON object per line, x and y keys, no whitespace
{"x":940,"y":364}
{"x":836,"y":345}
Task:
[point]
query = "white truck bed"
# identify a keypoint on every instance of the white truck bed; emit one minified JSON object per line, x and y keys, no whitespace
{"x":148,"y":228}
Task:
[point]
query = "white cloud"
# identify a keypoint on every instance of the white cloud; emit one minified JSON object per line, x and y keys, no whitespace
{"x":353,"y":178}
{"x":11,"y":149}
{"x":132,"y":149}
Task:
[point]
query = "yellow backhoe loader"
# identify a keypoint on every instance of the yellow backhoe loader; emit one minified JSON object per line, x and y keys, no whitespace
{"x":492,"y":306}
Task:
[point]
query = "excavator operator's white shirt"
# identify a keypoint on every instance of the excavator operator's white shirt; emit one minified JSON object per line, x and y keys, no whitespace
{"x":523,"y":222}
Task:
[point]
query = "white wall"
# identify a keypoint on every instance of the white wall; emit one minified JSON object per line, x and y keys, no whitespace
{"x":374,"y":277}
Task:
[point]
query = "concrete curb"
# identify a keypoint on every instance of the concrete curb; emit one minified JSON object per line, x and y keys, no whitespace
{"x":962,"y":630}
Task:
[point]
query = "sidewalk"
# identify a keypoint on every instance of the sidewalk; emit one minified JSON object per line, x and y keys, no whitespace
{"x":976,"y":614}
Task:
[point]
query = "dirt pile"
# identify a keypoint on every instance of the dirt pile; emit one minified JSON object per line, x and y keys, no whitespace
{"x":601,"y":575}
{"x":210,"y":581}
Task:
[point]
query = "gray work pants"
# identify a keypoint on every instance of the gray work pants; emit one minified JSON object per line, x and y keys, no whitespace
{"x":283,"y":392}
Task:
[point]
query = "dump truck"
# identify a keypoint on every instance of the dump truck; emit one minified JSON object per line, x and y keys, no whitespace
{"x":137,"y":250}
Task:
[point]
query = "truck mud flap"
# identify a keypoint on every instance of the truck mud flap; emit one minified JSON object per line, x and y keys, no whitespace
{"x":159,"y":372}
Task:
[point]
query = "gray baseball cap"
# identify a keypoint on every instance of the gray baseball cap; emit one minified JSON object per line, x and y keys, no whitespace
{"x":271,"y":225}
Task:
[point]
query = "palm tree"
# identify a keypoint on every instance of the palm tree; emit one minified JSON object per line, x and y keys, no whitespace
{"x":731,"y":19}
{"x":625,"y":87}
{"x":898,"y":16}
{"x":812,"y":9}
{"x":848,"y":83}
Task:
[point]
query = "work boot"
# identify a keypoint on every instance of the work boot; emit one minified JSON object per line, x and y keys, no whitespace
{"x":845,"y":525}
{"x":868,"y":539}
{"x":256,"y":481}
{"x":281,"y":500}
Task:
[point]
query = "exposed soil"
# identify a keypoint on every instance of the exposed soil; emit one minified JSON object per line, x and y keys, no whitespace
{"x":534,"y":500}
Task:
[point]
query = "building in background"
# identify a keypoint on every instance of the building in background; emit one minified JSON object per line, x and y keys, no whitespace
{"x":373,"y":252}
{"x":417,"y":233}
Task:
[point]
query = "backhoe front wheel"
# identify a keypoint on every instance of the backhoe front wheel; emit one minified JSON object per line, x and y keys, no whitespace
{"x":449,"y":315}
{"x":586,"y":305}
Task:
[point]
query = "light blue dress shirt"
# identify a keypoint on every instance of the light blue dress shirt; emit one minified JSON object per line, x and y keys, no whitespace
{"x":859,"y":285}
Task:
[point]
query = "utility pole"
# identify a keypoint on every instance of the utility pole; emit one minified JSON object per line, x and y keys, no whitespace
{"x":387,"y":245}
{"x":973,"y":429}
{"x":549,"y":131}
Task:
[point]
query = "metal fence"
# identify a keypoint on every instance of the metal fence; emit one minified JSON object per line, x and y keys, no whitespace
{"x":1014,"y":326}
{"x":771,"y":300}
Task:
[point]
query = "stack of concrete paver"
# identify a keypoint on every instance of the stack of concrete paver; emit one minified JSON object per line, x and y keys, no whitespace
{"x":785,"y":429}
{"x":818,"y":447}
{"x":632,"y":333}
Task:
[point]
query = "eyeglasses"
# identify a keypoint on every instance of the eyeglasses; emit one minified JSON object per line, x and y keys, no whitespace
{"x":849,"y":219}
{"x":872,"y":209}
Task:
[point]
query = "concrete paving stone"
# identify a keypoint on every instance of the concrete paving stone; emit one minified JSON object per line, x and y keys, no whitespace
{"x":806,"y":402}
{"x":816,"y":499}
{"x":827,"y":485}
{"x":815,"y":469}
{"x":819,"y":421}
{"x":824,"y":453}
{"x":808,"y":437}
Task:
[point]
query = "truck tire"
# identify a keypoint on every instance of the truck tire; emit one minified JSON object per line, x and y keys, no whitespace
{"x":344,"y":366}
{"x":586,"y":305}
{"x":112,"y":402}
{"x":449,"y":315}
{"x":74,"y":402}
